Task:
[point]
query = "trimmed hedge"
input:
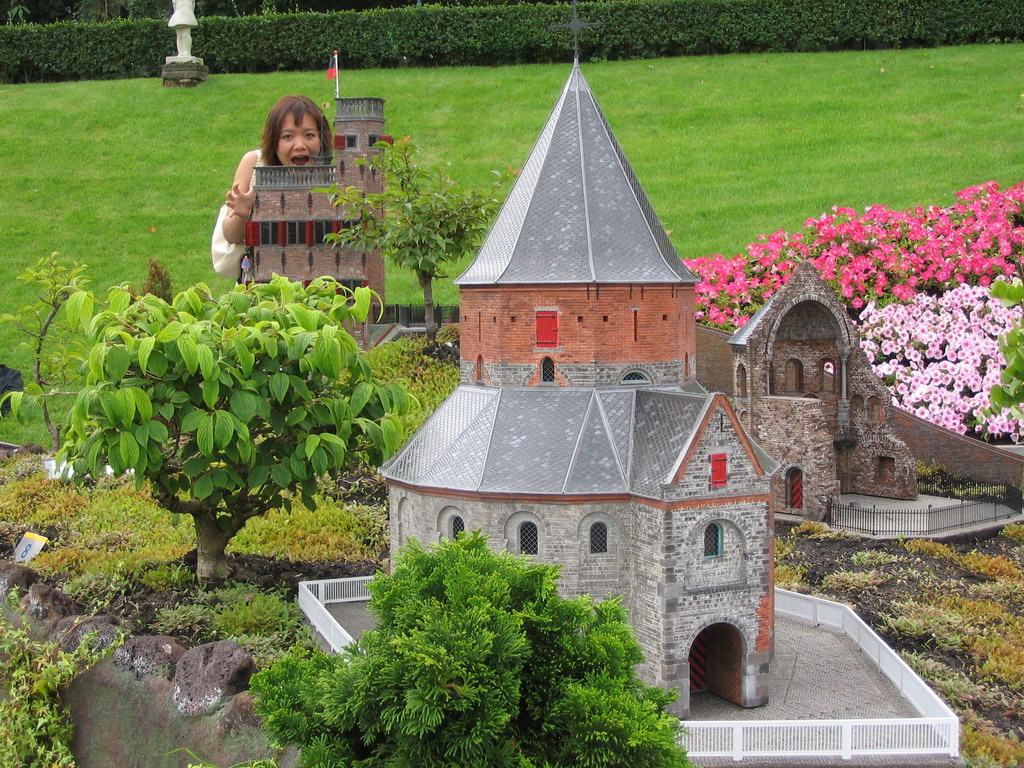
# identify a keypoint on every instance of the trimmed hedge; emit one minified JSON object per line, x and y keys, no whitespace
{"x":436,"y":36}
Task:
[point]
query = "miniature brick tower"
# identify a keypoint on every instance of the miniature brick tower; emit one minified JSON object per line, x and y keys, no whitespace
{"x":578,"y":434}
{"x":290,"y":219}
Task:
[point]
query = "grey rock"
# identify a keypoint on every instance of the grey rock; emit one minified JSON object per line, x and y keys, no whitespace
{"x":209,"y":674}
{"x":149,"y":655}
{"x":70,"y":631}
{"x":45,"y":603}
{"x":14,"y":575}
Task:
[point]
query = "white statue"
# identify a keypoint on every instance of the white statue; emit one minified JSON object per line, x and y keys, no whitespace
{"x":183,"y":20}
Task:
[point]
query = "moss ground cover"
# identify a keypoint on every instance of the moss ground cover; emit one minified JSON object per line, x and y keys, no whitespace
{"x":954,"y":610}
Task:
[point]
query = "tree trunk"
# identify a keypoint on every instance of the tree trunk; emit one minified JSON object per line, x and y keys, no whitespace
{"x":426,"y":283}
{"x":211,"y":541}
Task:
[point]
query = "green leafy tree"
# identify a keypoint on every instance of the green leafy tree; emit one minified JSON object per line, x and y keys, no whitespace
{"x":55,"y":347}
{"x":423,"y":221}
{"x":1009,"y":393}
{"x":228,"y":406}
{"x":476,"y":662}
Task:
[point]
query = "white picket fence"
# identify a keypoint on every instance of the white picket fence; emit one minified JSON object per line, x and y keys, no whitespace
{"x":936,"y":732}
{"x":742,"y":739}
{"x":315,"y":596}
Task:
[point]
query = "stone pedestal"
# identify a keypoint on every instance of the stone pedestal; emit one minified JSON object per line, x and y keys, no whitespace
{"x":184,"y":71}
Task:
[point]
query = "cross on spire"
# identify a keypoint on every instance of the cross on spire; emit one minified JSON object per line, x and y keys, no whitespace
{"x":575,"y":25}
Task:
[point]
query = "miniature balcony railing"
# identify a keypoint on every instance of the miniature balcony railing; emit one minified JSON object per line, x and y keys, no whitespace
{"x":323,"y":174}
{"x":367,"y":108}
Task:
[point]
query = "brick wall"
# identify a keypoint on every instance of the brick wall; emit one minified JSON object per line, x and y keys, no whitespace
{"x":959,"y":454}
{"x":715,"y":357}
{"x":620,"y":327}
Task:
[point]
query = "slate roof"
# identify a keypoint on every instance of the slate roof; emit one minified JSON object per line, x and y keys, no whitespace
{"x":552,"y":440}
{"x":742,"y":336}
{"x":577,"y":213}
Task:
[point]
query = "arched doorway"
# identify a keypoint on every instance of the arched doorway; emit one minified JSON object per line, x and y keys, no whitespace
{"x":795,"y":488}
{"x":716,"y":662}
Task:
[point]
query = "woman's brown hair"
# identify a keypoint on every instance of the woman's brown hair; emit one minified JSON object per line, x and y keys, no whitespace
{"x":297,"y":107}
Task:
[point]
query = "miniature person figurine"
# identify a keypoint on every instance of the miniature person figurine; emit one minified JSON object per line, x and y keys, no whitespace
{"x":183,"y":20}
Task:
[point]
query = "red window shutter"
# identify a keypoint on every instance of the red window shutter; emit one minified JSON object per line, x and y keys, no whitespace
{"x":719,"y":470}
{"x":547,"y":329}
{"x":339,"y":142}
{"x":252,"y":233}
{"x":282,"y":232}
{"x":309,"y":232}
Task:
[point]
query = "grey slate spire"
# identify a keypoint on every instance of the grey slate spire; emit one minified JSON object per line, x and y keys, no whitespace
{"x":577,"y":213}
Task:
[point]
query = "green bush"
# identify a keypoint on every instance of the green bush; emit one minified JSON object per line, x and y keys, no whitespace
{"x":488,"y":35}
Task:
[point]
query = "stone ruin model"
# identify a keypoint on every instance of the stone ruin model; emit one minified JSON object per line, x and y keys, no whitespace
{"x":804,"y":389}
{"x":578,"y":433}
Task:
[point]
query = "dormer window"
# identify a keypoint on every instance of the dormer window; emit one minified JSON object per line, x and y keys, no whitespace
{"x":547,"y":328}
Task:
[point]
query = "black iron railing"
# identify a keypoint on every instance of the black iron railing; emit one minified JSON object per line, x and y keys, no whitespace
{"x":878,"y":520}
{"x":406,"y":315}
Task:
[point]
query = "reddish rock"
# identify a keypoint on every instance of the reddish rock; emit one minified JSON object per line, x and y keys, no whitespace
{"x":238,"y":714}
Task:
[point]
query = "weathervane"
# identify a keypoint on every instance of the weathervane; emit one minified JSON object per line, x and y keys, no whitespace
{"x":574,"y":26}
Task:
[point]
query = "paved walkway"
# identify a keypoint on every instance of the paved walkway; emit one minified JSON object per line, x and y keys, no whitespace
{"x":818,"y":673}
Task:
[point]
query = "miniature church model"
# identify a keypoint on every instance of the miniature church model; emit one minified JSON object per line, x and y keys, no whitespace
{"x":290,"y":219}
{"x":578,"y":434}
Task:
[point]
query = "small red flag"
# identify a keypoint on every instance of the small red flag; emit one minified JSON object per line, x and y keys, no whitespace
{"x":332,"y":68}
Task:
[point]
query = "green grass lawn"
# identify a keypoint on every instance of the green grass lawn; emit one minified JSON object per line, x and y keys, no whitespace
{"x":727,"y":147}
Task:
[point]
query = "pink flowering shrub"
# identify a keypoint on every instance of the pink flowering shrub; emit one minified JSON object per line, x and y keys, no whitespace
{"x":903,"y":274}
{"x":881,"y":255}
{"x":940,"y":356}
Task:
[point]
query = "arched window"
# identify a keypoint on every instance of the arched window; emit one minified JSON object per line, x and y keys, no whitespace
{"x":876,"y":415}
{"x":741,"y":380}
{"x":794,"y":375}
{"x":598,"y":538}
{"x":795,"y":488}
{"x":529,"y":539}
{"x":547,"y":370}
{"x":713,"y":540}
{"x":458,"y":526}
{"x":828,"y":376}
{"x":636,"y":377}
